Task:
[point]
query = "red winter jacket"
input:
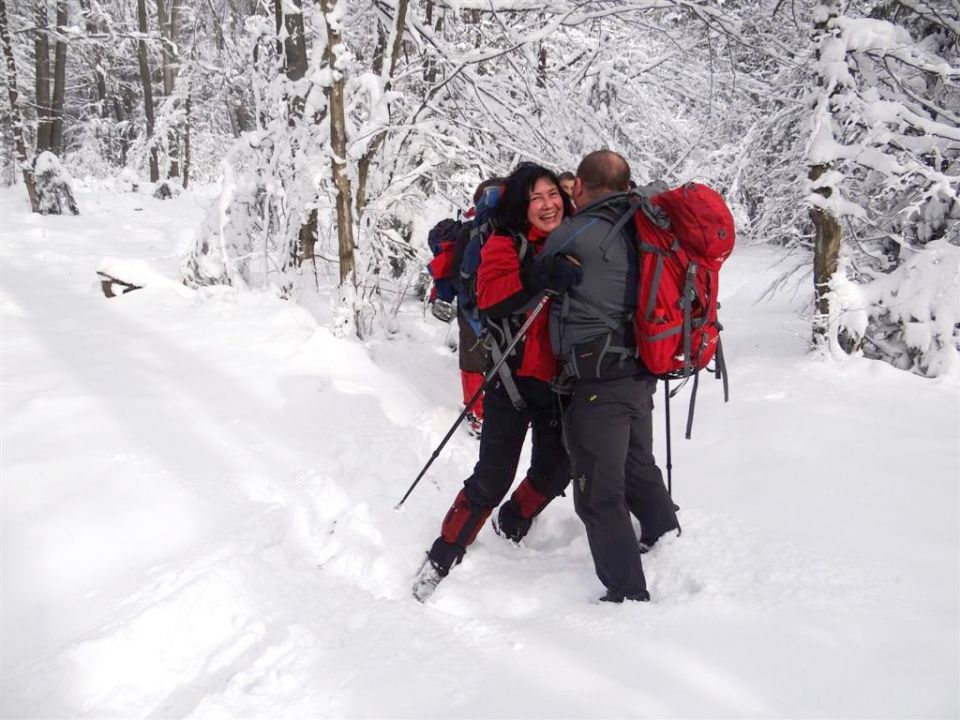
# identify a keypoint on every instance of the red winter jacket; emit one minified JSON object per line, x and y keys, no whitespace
{"x":500,"y":293}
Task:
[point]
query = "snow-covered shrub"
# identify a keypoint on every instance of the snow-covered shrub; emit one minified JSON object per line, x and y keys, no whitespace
{"x":167,"y":189}
{"x":909,"y":317}
{"x":54,"y":192}
{"x":238,"y":242}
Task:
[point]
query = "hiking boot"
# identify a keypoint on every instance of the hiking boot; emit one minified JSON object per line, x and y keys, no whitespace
{"x":509,"y":524}
{"x":426,"y":581}
{"x":474,"y":425}
{"x":615,"y":596}
{"x":646,"y":544}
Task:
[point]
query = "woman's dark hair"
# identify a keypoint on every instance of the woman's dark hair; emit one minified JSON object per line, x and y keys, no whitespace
{"x":512,"y":210}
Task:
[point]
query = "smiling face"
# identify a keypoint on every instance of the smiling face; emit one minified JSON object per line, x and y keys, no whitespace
{"x":545,"y":209}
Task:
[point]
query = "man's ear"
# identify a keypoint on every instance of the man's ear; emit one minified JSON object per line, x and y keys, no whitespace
{"x":577,"y":187}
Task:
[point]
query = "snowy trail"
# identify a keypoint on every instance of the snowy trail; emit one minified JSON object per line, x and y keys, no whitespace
{"x":198,"y":494}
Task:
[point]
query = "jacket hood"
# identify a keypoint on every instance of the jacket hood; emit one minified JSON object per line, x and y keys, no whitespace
{"x":611,"y":207}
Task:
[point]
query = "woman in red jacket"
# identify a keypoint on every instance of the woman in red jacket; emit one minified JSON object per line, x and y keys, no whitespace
{"x":531,"y":206}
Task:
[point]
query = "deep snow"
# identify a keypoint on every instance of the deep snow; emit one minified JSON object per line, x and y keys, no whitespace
{"x":198,"y":520}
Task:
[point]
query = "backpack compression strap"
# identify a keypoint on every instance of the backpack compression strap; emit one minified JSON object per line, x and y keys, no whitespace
{"x":500,"y":336}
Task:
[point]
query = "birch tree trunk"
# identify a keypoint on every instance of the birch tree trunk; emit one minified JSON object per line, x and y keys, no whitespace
{"x":147,"y":87}
{"x":16,"y":122}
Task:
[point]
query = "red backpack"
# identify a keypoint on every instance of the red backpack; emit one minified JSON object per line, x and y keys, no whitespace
{"x":684,"y":236}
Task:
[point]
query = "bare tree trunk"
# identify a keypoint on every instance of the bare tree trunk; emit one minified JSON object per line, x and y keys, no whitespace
{"x":308,"y":236}
{"x":99,"y":78}
{"x":430,"y":67}
{"x":295,"y":68}
{"x":542,"y":67}
{"x":147,"y":87}
{"x":59,"y":81}
{"x":41,"y":50}
{"x":363,"y":171}
{"x":240,"y":120}
{"x":187,"y":104}
{"x":278,"y":22}
{"x":826,"y":255}
{"x":295,"y":44}
{"x":338,"y":143}
{"x":169,"y":32}
{"x":16,"y":117}
{"x":827,"y":231}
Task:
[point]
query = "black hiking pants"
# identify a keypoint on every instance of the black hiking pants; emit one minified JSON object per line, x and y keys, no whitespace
{"x":501,"y":442}
{"x":608,"y":428}
{"x":504,"y":430}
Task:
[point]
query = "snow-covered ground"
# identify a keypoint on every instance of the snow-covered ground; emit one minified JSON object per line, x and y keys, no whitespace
{"x":198,"y":494}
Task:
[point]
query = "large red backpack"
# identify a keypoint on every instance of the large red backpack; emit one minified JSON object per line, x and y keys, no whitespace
{"x":683,"y":237}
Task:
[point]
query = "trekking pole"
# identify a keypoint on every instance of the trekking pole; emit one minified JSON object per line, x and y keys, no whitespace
{"x":487,"y":378}
{"x":666,"y":397}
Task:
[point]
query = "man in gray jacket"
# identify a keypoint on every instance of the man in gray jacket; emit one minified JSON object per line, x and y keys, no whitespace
{"x":608,"y":417}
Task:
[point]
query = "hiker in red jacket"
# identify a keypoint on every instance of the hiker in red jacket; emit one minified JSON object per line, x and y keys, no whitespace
{"x":532,"y":205}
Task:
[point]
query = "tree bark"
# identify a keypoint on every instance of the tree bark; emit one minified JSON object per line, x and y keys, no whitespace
{"x":542,"y":67}
{"x":826,"y":256}
{"x":59,"y":80}
{"x":41,"y":59}
{"x":169,"y":35}
{"x":827,"y":230}
{"x":294,"y":56}
{"x":187,"y":104}
{"x":295,"y":44}
{"x":16,"y":119}
{"x":99,"y":78}
{"x":430,"y":66}
{"x":338,"y":144}
{"x":147,"y":87}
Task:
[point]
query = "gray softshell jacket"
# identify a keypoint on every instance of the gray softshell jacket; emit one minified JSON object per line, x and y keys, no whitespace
{"x":601,"y":307}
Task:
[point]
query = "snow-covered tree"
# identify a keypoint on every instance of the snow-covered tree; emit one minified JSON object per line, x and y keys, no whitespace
{"x":884,"y":151}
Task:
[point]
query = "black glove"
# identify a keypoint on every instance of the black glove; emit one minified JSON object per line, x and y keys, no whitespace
{"x":554,"y":272}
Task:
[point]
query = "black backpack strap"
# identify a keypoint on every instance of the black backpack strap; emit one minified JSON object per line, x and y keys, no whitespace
{"x":721,"y":370}
{"x":500,"y":335}
{"x":523,"y":245}
{"x":693,"y":401}
{"x":506,"y":377}
{"x":689,"y":293}
{"x":618,"y":226}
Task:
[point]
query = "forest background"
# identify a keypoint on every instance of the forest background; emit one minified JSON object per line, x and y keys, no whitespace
{"x":338,"y":129}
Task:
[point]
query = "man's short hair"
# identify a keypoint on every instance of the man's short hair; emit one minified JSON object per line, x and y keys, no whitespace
{"x":566,"y":176}
{"x":604,"y":170}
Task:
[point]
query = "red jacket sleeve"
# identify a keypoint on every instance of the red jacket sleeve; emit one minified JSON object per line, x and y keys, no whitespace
{"x":442,"y":264}
{"x":498,"y":278}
